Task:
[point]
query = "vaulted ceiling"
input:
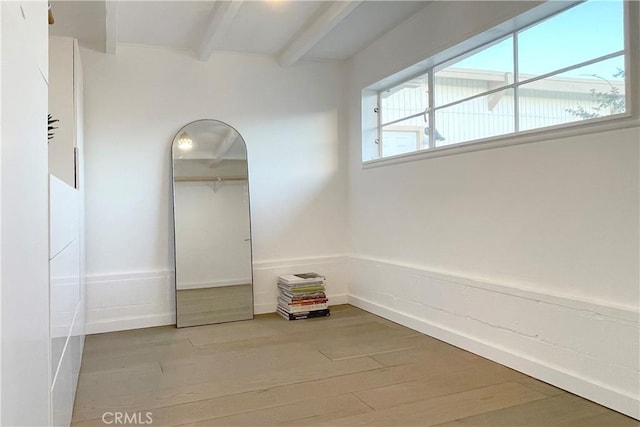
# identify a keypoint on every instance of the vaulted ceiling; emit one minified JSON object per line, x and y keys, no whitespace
{"x":287,"y":30}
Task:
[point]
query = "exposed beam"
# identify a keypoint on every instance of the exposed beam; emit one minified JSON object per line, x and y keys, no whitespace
{"x":226,"y":143}
{"x":223,"y":148}
{"x":220,"y":20}
{"x":333,"y":14}
{"x":111,"y":26}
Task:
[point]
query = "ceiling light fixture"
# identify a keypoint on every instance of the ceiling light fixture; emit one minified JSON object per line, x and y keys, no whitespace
{"x":275,"y":3}
{"x":185,"y":142}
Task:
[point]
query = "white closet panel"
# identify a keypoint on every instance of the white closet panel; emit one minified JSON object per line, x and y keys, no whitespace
{"x":66,"y":207}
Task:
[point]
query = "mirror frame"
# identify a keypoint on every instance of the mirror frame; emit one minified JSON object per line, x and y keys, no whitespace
{"x":173,"y":214}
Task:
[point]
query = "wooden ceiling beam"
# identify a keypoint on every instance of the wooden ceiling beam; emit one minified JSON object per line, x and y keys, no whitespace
{"x":315,"y":31}
{"x":220,"y":19}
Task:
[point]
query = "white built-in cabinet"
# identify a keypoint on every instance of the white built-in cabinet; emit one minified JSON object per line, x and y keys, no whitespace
{"x":24,"y":270}
{"x":66,"y":216}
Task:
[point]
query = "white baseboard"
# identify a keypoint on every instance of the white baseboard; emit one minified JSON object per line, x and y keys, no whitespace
{"x":136,"y":322}
{"x":587,"y":348}
{"x":117,"y":302}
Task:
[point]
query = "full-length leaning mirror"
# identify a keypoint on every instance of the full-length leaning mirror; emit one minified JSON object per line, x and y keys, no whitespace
{"x":212,"y":225}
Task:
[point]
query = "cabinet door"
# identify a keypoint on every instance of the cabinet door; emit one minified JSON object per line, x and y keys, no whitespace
{"x":62,"y":108}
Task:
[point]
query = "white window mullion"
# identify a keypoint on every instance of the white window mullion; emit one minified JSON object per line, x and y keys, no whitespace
{"x":379,"y":124}
{"x":632,"y":57}
{"x":402,"y":119}
{"x":431,"y":119}
{"x":516,"y":87}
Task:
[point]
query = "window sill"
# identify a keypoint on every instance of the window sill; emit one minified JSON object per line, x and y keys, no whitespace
{"x":559,"y":132}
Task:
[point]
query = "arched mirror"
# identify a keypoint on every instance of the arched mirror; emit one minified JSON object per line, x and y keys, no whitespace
{"x":212,"y":225}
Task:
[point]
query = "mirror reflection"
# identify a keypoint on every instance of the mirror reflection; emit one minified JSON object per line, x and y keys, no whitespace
{"x":212,"y":225}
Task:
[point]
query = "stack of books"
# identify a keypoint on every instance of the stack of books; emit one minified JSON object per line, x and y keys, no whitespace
{"x":302,"y":296}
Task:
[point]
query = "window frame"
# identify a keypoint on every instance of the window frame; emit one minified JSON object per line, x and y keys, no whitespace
{"x":428,"y":68}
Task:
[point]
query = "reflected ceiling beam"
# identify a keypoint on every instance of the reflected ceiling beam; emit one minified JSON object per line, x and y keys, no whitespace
{"x":111,"y":26}
{"x":224,"y":147}
{"x":226,"y":143}
{"x":315,"y":31}
{"x":220,"y":20}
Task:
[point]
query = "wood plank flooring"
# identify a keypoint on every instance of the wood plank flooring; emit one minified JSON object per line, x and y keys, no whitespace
{"x":350,"y":369}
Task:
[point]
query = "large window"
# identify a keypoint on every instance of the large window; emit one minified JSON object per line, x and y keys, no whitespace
{"x":566,"y":69}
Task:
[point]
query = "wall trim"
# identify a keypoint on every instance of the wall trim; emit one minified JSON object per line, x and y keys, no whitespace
{"x":482,"y":335}
{"x":136,"y":322}
{"x":132,"y":300}
{"x":620,"y":311}
{"x":294,"y":262}
{"x":122,"y":301}
{"x":96,"y":278}
{"x":167,"y":319}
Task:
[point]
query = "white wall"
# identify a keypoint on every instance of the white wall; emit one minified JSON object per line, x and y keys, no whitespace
{"x":24,"y":276}
{"x":528,"y":255}
{"x":136,"y":101}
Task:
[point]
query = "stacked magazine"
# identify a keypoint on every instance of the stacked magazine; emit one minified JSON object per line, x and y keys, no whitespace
{"x":302,"y":296}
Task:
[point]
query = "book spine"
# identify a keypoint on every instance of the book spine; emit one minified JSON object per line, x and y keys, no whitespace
{"x":295,"y":288}
{"x":304,"y":308}
{"x":302,"y":301}
{"x":304,"y":315}
{"x":285,"y":315}
{"x":306,"y":289}
{"x":310,"y":315}
{"x":301,"y":297}
{"x":292,"y":279}
{"x":301,"y":284}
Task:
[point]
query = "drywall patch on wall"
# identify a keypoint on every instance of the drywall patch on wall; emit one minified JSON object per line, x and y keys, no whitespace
{"x":118,"y":302}
{"x":536,"y":333}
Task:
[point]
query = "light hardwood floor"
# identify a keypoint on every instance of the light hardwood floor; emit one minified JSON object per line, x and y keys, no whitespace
{"x":350,"y":369}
